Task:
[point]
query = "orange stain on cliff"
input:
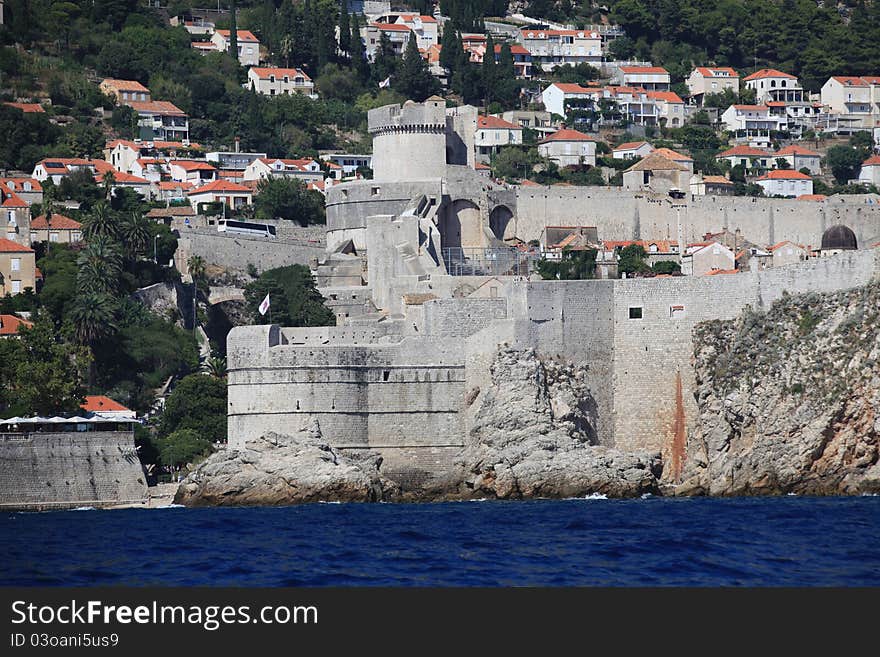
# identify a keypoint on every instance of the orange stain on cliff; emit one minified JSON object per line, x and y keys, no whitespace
{"x":678,"y":431}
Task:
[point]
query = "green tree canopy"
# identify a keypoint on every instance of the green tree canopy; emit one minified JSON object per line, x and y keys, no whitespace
{"x":282,"y":198}
{"x":197,"y":403}
{"x":574,"y":265}
{"x":293,"y":298}
{"x":844,"y":162}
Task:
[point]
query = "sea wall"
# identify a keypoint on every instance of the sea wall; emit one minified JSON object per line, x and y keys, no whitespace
{"x":66,"y":470}
{"x":407,"y":388}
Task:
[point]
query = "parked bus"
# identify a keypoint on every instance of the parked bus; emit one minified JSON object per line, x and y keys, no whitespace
{"x":246,"y":228}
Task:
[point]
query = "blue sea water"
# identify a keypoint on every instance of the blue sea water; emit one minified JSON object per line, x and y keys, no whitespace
{"x":787,"y":541}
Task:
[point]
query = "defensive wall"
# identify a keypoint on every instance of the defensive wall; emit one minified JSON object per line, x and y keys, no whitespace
{"x":238,"y":251}
{"x":621,"y":215}
{"x":407,"y":388}
{"x":404,"y":372}
{"x":40,"y":471}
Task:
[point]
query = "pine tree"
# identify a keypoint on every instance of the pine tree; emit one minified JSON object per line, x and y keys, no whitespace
{"x":414,"y":80}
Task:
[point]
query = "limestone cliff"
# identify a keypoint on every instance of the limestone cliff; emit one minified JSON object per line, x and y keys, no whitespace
{"x":277,"y":470}
{"x":531,"y":438}
{"x":789,"y":400}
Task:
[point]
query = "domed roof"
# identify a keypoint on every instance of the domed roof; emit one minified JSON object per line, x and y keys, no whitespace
{"x":839,"y":237}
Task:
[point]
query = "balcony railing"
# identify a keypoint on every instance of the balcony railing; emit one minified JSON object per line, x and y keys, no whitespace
{"x":487,"y":262}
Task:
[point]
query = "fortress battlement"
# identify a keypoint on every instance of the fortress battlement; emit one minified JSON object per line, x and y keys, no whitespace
{"x":410,"y":359}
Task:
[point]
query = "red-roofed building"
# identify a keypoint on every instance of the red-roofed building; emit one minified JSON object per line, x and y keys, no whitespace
{"x":711,"y":80}
{"x":398,"y":27}
{"x":870,"y":173}
{"x":125,"y":91}
{"x":799,"y":158}
{"x":569,"y":147}
{"x":14,"y":216}
{"x":58,"y":168}
{"x":27,"y":108}
{"x":552,"y":48}
{"x":248,"y":45}
{"x":856,"y":101}
{"x":788,"y":253}
{"x":785,"y":182}
{"x":280,"y":81}
{"x":197,"y":172}
{"x":17,"y":268}
{"x":649,"y":78}
{"x":704,"y":258}
{"x":121,"y":179}
{"x":105,"y":407}
{"x":753,"y":123}
{"x":10,"y":324}
{"x":631,"y":150}
{"x":670,"y":108}
{"x":161,"y":120}
{"x":771,"y":85}
{"x":493,"y":133}
{"x":27,"y":189}
{"x":171,"y":190}
{"x":306,"y":169}
{"x":231,"y":194}
{"x":58,"y":228}
{"x":748,"y":157}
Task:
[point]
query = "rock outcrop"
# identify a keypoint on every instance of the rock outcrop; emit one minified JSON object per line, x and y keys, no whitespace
{"x":789,"y":400}
{"x":280,"y":470}
{"x":531,"y":438}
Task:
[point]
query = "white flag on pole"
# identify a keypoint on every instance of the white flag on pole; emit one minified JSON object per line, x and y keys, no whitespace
{"x":264,"y":306}
{"x":385,"y":83}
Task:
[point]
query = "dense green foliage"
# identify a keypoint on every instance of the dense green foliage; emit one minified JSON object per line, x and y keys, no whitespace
{"x":197,"y":403}
{"x":632,"y":260}
{"x":802,"y":37}
{"x":40,"y":373}
{"x":280,"y":198}
{"x":573,"y":265}
{"x":293,"y":298}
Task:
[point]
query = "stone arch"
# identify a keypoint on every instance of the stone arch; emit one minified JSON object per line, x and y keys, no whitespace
{"x":499,"y":219}
{"x":462,"y":225}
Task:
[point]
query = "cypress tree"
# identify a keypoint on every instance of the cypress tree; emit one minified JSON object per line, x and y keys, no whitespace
{"x":414,"y":80}
{"x":448,"y":48}
{"x":345,"y":35}
{"x":489,"y":70}
{"x":233,"y":32}
{"x":358,"y":52}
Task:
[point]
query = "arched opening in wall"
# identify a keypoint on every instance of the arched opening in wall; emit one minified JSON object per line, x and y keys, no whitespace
{"x":462,"y":226}
{"x":499,"y":219}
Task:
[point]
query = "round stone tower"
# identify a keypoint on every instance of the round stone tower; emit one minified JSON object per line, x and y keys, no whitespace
{"x":409,"y":141}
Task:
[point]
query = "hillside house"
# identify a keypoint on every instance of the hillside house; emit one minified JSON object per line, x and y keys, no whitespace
{"x":569,"y":147}
{"x":280,"y":81}
{"x":784,"y":182}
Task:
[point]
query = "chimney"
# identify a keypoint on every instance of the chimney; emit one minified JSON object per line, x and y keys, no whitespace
{"x":237,"y":144}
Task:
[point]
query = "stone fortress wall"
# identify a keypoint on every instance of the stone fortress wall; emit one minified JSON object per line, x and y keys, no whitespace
{"x":42,"y":471}
{"x":404,"y":376}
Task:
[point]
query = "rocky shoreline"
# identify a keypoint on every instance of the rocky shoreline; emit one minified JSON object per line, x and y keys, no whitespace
{"x":789,"y":402}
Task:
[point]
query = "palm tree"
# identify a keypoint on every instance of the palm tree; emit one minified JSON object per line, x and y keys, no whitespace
{"x":92,"y":315}
{"x":215,"y":366}
{"x":109,"y":179}
{"x":135,"y":232}
{"x":100,"y":221}
{"x":196,"y":267}
{"x":100,"y":265}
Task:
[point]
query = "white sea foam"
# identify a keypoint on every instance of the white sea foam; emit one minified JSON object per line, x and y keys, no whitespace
{"x":84,"y":508}
{"x":596,"y":496}
{"x":647,"y":496}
